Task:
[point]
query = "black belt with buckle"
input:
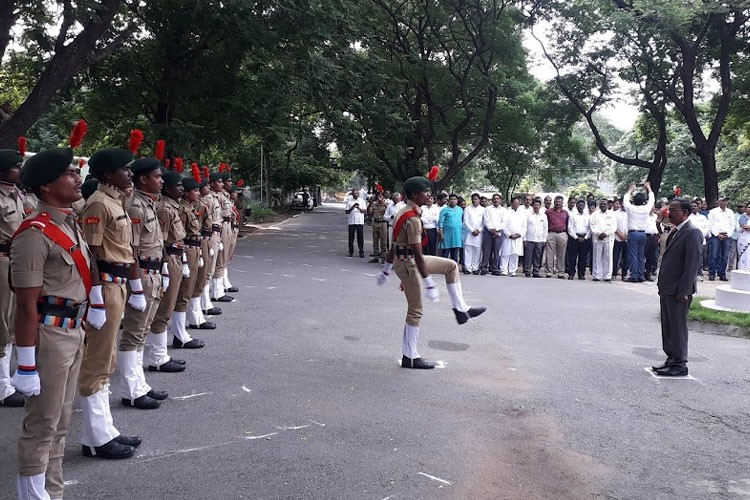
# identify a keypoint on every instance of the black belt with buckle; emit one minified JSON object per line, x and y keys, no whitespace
{"x":173,"y":251}
{"x":636,"y":230}
{"x":216,"y":228}
{"x":191,"y":242}
{"x":113,"y":268}
{"x":151,"y":265}
{"x":49,"y":305}
{"x":378,"y":221}
{"x":227,"y":219}
{"x":206,"y":233}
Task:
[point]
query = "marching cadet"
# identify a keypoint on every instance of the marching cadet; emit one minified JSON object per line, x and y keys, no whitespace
{"x":174,"y":256}
{"x":50,"y":271}
{"x":148,"y":244}
{"x":189,"y":204}
{"x":410,"y":265}
{"x":222,"y":258}
{"x":210,"y":232}
{"x":195,"y":318}
{"x":379,"y":227}
{"x":12,"y":214}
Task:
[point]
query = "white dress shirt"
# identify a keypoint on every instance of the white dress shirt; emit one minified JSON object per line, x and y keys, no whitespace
{"x":392,"y":210}
{"x":537,"y":227}
{"x":651,"y":227}
{"x":603,"y":223}
{"x":701,"y":222}
{"x":622,"y":223}
{"x":473,"y":218}
{"x":638,"y":214}
{"x":494,"y":217}
{"x":578,"y":223}
{"x":430,"y":216}
{"x":356,"y":216}
{"x":721,"y":221}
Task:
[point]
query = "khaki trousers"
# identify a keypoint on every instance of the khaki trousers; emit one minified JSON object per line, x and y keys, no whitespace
{"x":554,"y":253}
{"x":233,"y":243}
{"x":411,"y":281}
{"x":187,"y":287}
{"x":202,"y":279}
{"x":7,"y":308}
{"x":100,"y":355}
{"x":380,"y":238}
{"x":222,"y":257}
{"x":168,"y":300}
{"x":42,"y":443}
{"x":135,"y":323}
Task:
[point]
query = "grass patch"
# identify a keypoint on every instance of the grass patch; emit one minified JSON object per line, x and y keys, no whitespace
{"x":261,"y":213}
{"x":700,"y":313}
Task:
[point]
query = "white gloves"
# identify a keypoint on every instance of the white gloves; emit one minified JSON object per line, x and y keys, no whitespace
{"x":137,"y":301}
{"x":221,"y":246}
{"x":165,"y":276}
{"x":97,"y":316}
{"x":185,"y":268}
{"x":211,"y":251}
{"x":383,"y":276}
{"x":430,"y":291}
{"x":26,"y":379}
{"x":200,"y":262}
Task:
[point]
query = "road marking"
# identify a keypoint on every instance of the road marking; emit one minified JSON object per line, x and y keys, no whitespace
{"x":182,"y":398}
{"x":654,"y":375}
{"x":371,"y":275}
{"x":308,"y":265}
{"x":71,"y":482}
{"x":266,"y":274}
{"x":288,"y":275}
{"x":245,"y":389}
{"x":317,"y":423}
{"x":434,"y":478}
{"x":145,"y":458}
{"x":271,"y":288}
{"x":319,"y":279}
{"x":293,"y":427}
{"x":250,"y":438}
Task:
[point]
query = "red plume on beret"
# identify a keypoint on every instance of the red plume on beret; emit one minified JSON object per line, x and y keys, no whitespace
{"x":378,"y":187}
{"x":160,"y":147}
{"x":167,"y":163}
{"x":206,"y":172}
{"x":179,"y":164}
{"x":22,"y":145}
{"x":78,"y":133}
{"x":227,"y":168}
{"x":240,"y":183}
{"x":81,"y":162}
{"x":196,"y":173}
{"x":221,"y":167}
{"x":136,"y":138}
{"x":677,"y":191}
{"x":434,"y":173}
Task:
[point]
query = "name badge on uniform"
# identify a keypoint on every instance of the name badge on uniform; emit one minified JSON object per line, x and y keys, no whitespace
{"x":135,"y":220}
{"x":11,"y":213}
{"x":152,"y":219}
{"x":123,"y":216}
{"x":93,"y":220}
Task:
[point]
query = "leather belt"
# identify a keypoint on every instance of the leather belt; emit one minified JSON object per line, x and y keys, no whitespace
{"x":192,"y":242}
{"x":206,"y":233}
{"x":170,"y":250}
{"x":636,"y":230}
{"x":403,"y":253}
{"x":216,"y":228}
{"x":227,"y":219}
{"x":60,"y":312}
{"x":117,"y":269}
{"x":149,"y":265}
{"x":378,"y":221}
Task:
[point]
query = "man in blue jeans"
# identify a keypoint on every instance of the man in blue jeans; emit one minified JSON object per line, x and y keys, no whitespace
{"x":721,"y":225}
{"x":638,"y":211}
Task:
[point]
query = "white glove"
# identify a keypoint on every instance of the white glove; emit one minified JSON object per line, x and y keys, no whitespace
{"x":200,"y":262}
{"x":26,"y":379}
{"x":211,"y":252}
{"x":136,"y":300}
{"x":221,"y":246}
{"x":430,"y":291}
{"x":165,"y":276}
{"x":383,"y":276}
{"x":96,"y":316}
{"x":185,"y":270}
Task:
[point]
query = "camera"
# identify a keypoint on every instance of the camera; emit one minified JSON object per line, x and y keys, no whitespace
{"x":640,"y":185}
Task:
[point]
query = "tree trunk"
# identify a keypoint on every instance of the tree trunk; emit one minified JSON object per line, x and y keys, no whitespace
{"x":710,"y":176}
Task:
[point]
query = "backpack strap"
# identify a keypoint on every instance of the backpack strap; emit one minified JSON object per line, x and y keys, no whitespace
{"x":43,"y":221}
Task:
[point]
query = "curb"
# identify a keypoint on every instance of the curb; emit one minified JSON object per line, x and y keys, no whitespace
{"x":716,"y":329}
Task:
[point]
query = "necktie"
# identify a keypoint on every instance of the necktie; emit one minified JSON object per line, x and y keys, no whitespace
{"x":671,"y":235}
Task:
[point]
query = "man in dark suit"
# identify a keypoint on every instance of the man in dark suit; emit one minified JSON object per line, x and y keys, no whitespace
{"x":676,"y":285}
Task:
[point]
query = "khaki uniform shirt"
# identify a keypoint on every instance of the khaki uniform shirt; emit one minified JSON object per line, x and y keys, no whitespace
{"x":169,"y":217}
{"x":38,"y":261}
{"x":202,"y":212}
{"x":107,"y":225}
{"x":30,"y":202}
{"x":11,"y":212}
{"x":190,"y":220}
{"x":213,"y":205}
{"x":411,"y":231}
{"x":226,"y":204}
{"x":147,"y":236}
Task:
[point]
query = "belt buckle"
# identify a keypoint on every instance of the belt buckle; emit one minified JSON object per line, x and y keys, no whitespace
{"x":82,"y":307}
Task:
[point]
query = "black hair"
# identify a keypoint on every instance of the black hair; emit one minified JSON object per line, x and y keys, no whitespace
{"x":684,"y":204}
{"x":639,"y":199}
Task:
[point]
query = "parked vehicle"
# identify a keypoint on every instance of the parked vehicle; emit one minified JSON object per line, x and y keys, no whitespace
{"x":302,"y":201}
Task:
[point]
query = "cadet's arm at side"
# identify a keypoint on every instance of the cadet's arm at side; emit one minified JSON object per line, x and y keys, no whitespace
{"x":26,"y":324}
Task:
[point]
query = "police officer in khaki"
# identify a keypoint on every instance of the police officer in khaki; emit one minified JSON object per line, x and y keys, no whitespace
{"x":11,"y":216}
{"x":50,"y":273}
{"x":218,"y":290}
{"x":413,"y":269}
{"x":379,"y":228}
{"x":148,"y":244}
{"x":109,"y":233}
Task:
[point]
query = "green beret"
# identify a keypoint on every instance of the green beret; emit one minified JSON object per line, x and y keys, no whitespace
{"x":216,"y":176}
{"x":46,"y":166}
{"x":225,"y":176}
{"x":204,"y":182}
{"x":109,"y":160}
{"x":88,"y":188}
{"x":417,"y":184}
{"x":189,"y":183}
{"x":143,"y":166}
{"x":9,"y":158}
{"x":171,"y":178}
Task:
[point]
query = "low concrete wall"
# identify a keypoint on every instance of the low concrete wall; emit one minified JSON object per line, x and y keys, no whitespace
{"x":714,"y":329}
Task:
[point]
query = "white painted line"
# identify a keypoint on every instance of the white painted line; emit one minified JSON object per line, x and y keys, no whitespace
{"x":238,"y":271}
{"x":319,"y":279}
{"x":182,"y":398}
{"x":317,"y":423}
{"x":389,"y":497}
{"x":271,"y":288}
{"x":371,"y":275}
{"x":288,"y":275}
{"x":268,"y":260}
{"x":293,"y":427}
{"x":290,"y":263}
{"x":308,"y":265}
{"x":71,"y":482}
{"x":654,"y":375}
{"x":436,"y":479}
{"x":266,"y":274}
{"x":250,"y":438}
{"x":145,"y":458}
{"x":344,"y":270}
{"x":245,"y":389}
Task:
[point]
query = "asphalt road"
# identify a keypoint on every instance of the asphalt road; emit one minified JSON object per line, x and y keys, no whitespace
{"x":299,"y":394}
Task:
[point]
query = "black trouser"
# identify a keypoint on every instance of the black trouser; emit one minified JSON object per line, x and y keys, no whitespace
{"x":532,"y":256}
{"x":360,"y":230}
{"x":431,"y":247}
{"x":674,"y":330}
{"x":577,"y":252}
{"x":490,"y":251}
{"x":620,"y":258}
{"x":652,"y":253}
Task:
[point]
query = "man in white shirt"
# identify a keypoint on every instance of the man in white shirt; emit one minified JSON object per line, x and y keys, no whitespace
{"x":390,"y":212}
{"x":721,"y":225}
{"x":513,"y":233}
{"x":355,"y":209}
{"x":473,"y":218}
{"x":620,"y":250}
{"x":700,"y":221}
{"x":492,"y":236}
{"x":535,"y":239}
{"x":603,"y":224}
{"x":638,"y":211}
{"x":579,"y":233}
{"x":430,"y":215}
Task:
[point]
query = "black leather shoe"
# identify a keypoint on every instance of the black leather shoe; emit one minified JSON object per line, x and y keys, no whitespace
{"x":482,"y":272}
{"x":673,"y":371}
{"x":649,"y":277}
{"x":112,"y":450}
{"x":143,"y":403}
{"x":538,"y":276}
{"x":660,"y":367}
{"x":466,"y":271}
{"x":206,"y":325}
{"x":170,"y":366}
{"x":570,"y":277}
{"x":374,"y":260}
{"x":712,"y":278}
{"x":418,"y":363}
{"x":463,"y":317}
{"x":232,"y":289}
{"x":361,"y":255}
{"x":582,"y":278}
{"x":214,"y":311}
{"x":224,"y":298}
{"x":157,"y":395}
{"x":496,"y":273}
{"x":633,"y":280}
{"x":193,"y":344}
{"x":15,"y":400}
{"x":475,"y":273}
{"x":723,"y":278}
{"x":179,"y":361}
{"x":133,"y":441}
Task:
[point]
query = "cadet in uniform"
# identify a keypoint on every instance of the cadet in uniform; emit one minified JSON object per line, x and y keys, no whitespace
{"x":11,"y":216}
{"x":235,"y":226}
{"x":410,"y":265}
{"x":109,"y":233}
{"x":51,"y":275}
{"x":195,"y":313}
{"x":222,"y":259}
{"x":379,"y":228}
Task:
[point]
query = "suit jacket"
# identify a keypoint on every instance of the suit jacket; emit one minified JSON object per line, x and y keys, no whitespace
{"x":680,"y":261}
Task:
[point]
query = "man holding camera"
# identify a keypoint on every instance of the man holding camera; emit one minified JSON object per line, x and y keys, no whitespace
{"x":355,"y":208}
